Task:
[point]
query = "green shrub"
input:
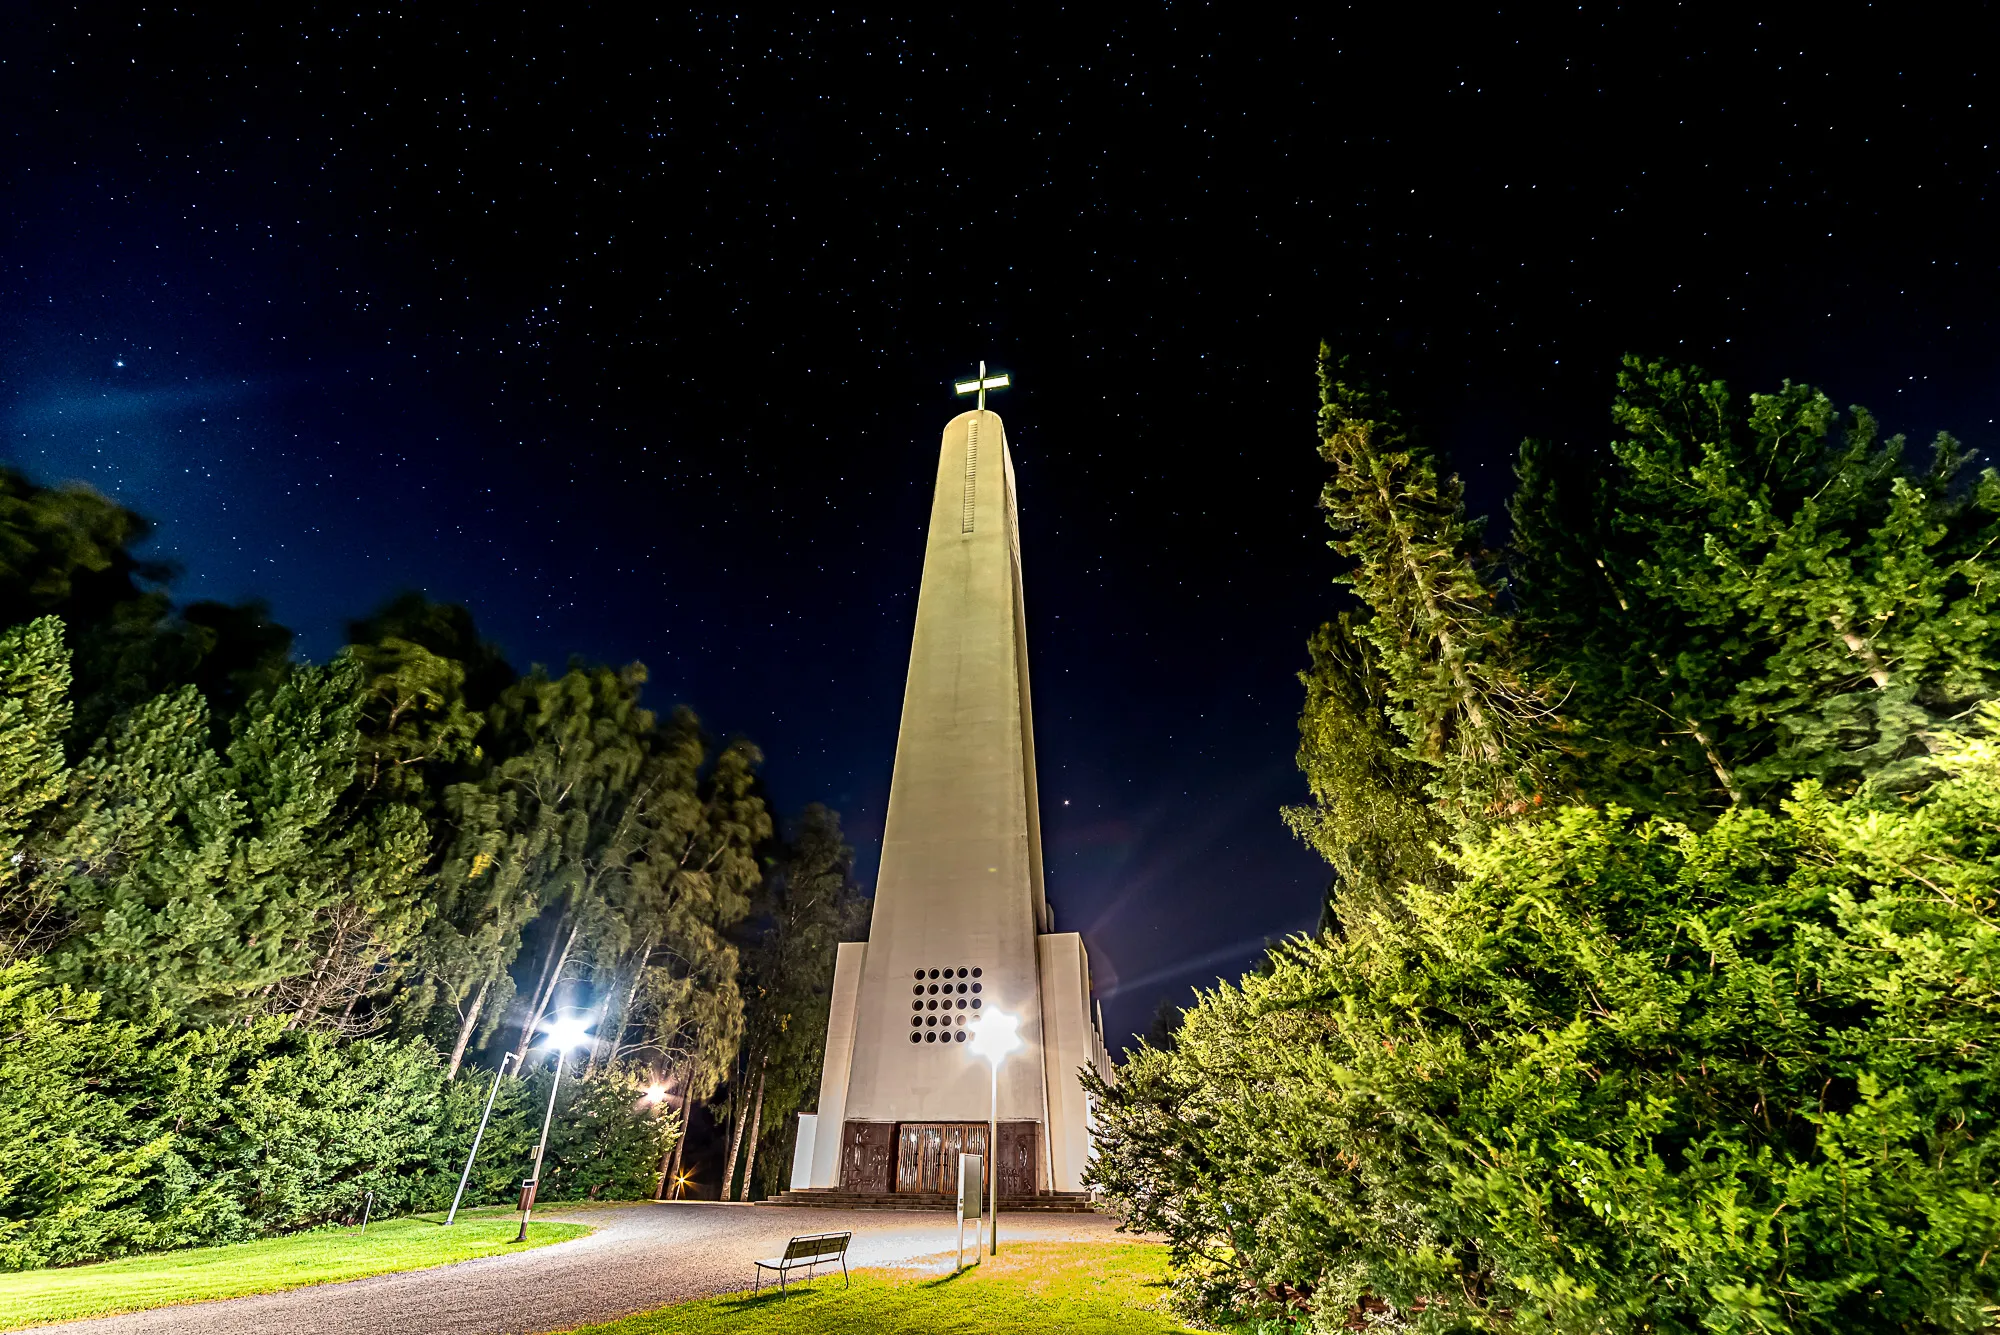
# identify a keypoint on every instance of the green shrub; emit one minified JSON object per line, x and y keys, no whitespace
{"x":1621,"y":1075}
{"x":120,"y":1136}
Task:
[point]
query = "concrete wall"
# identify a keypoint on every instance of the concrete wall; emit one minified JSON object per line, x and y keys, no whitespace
{"x":838,"y":1060}
{"x":1073,"y":1042}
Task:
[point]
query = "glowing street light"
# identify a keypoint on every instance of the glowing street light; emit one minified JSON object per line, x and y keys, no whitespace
{"x":562,"y":1035}
{"x":993,"y":1037}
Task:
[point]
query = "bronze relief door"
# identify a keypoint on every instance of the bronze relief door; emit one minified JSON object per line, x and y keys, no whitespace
{"x":1018,"y":1144}
{"x":865,"y":1154}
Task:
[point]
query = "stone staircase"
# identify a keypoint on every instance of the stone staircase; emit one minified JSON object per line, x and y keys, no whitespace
{"x":833,"y":1198}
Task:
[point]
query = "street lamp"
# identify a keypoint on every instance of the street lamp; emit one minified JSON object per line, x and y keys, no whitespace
{"x":562,"y":1035}
{"x":477,"y":1136}
{"x":993,"y":1038}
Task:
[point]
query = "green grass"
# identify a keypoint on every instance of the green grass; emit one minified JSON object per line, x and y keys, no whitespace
{"x":1031,"y":1288}
{"x":326,"y":1256}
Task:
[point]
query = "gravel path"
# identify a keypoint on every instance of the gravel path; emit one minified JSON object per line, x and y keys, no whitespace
{"x":641,"y":1257}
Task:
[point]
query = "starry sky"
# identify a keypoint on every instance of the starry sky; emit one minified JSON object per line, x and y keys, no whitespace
{"x":634,"y":332}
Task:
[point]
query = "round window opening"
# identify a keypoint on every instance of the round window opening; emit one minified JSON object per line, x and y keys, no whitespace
{"x":963,"y":972}
{"x":959,"y":1036}
{"x":976,"y":973}
{"x":975,"y":1003}
{"x":920,"y":973}
{"x":976,"y":987}
{"x":933,"y":973}
{"x":930,"y":1019}
{"x":930,"y":1038}
{"x":916,"y":1022}
{"x":916,"y":1038}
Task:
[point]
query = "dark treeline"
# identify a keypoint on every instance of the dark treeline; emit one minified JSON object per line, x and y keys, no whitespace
{"x":1658,"y":986}
{"x":267,"y":929}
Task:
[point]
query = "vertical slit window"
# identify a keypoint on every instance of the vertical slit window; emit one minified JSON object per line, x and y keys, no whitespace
{"x":971,"y":475}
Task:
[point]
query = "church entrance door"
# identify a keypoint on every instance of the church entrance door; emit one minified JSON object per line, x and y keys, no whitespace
{"x":865,"y":1157}
{"x":927,"y":1154}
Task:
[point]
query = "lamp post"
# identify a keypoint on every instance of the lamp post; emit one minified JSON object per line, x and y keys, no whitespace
{"x":993,"y":1038}
{"x":562,"y":1035}
{"x":477,"y":1136}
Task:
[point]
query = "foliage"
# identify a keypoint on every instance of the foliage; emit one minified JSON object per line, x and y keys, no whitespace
{"x":1717,"y":1060}
{"x":68,"y":552}
{"x":809,"y":906}
{"x":1447,"y":677}
{"x":224,"y":875}
{"x":195,"y":881}
{"x":124,"y":1135}
{"x":34,"y":714}
{"x":1370,"y":817}
{"x":1737,"y":597}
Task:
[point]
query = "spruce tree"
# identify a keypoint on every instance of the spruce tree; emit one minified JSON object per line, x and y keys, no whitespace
{"x":1451,"y":686}
{"x":34,"y":715}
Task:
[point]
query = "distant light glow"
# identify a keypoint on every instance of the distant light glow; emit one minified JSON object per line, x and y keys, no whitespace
{"x":572,"y":1032}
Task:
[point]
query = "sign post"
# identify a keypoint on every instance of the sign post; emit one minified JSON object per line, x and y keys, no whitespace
{"x":971,"y":1169}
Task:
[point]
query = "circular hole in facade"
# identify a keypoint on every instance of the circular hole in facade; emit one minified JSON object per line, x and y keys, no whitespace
{"x":919,"y":989}
{"x":916,"y":1038}
{"x":916,"y":1005}
{"x":933,"y":973}
{"x":960,"y":1036}
{"x":963,"y":972}
{"x":975,"y":987}
{"x":930,"y":1005}
{"x":916,"y":1022}
{"x":961,"y":987}
{"x":976,"y":973}
{"x":930,"y":1038}
{"x":933,"y":989}
{"x":975,"y":1003}
{"x":920,"y":973}
{"x":930,"y":1020}
{"x":961,"y":1003}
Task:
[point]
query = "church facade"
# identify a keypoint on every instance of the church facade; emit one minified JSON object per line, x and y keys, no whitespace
{"x":962,"y":923}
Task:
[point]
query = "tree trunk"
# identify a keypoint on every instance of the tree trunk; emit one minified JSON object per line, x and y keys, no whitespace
{"x":551,"y":975}
{"x":610,"y":1033}
{"x":687,"y":1091}
{"x":735,"y":1141}
{"x":756,"y":1131}
{"x":465,"y":1029}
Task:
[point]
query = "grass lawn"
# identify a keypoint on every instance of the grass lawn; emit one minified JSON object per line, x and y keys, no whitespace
{"x":31,"y":1297}
{"x":1031,"y":1288}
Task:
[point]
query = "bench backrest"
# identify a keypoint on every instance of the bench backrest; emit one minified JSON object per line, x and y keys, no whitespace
{"x":817,"y":1244}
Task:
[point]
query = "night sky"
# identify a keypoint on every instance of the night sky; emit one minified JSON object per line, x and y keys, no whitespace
{"x":634,"y":333}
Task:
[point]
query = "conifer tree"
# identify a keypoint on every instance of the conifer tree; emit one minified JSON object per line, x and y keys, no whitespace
{"x":1371,"y":817}
{"x":34,"y":715}
{"x":1451,"y":687}
{"x":1735,"y":600}
{"x":196,"y":879}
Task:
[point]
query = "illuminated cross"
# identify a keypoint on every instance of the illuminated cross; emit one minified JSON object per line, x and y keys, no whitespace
{"x":979,"y":385}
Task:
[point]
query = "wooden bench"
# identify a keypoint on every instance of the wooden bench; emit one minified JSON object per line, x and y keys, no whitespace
{"x":807,"y":1250}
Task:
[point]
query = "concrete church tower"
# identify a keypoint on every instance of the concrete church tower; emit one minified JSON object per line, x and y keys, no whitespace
{"x":961,"y":922}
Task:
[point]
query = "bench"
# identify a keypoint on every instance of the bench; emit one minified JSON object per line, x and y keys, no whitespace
{"x":807,"y":1250}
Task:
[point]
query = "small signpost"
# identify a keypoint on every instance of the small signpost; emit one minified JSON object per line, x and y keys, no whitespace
{"x":971,"y":1195}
